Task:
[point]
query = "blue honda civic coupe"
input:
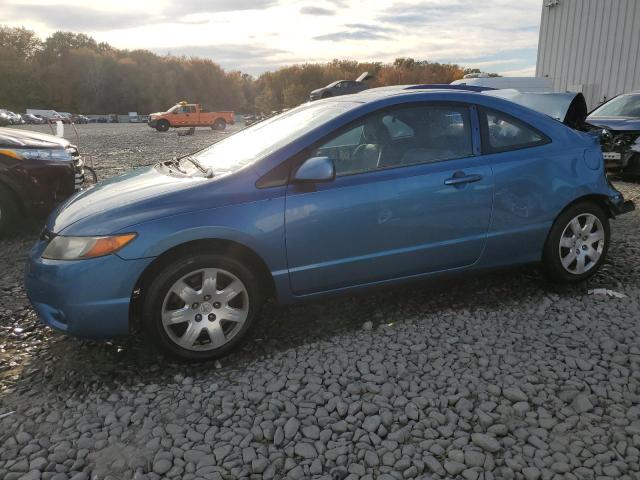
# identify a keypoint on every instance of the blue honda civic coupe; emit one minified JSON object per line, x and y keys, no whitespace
{"x":385,"y":186}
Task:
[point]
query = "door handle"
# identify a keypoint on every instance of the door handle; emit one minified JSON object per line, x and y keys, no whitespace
{"x":460,"y":179}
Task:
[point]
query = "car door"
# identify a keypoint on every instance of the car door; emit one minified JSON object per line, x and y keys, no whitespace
{"x":188,"y":115}
{"x":413,"y":197}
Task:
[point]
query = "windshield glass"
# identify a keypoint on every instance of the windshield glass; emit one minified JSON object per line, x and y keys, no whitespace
{"x":622,"y":106}
{"x":261,"y":139}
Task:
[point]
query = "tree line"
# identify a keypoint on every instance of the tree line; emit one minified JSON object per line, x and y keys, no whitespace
{"x":71,"y":72}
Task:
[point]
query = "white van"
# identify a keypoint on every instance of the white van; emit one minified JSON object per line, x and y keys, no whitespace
{"x":522,"y":84}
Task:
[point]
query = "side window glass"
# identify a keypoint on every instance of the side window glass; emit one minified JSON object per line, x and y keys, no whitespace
{"x":397,"y":128}
{"x":341,"y":149}
{"x":403,"y":136}
{"x":502,"y":132}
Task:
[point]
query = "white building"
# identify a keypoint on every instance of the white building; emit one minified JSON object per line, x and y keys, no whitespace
{"x":590,"y":46}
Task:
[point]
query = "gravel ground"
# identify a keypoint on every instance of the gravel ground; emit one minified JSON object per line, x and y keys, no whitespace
{"x":498,"y":376}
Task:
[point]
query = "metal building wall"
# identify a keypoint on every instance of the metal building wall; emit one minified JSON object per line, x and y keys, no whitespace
{"x":592,"y":46}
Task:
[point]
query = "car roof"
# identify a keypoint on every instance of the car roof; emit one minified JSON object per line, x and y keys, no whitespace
{"x":382,"y":92}
{"x":558,"y":106}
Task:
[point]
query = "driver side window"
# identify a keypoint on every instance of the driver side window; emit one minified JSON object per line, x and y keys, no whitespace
{"x":403,"y":136}
{"x":350,"y":152}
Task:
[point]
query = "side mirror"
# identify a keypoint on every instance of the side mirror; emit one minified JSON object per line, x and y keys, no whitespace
{"x":316,"y":169}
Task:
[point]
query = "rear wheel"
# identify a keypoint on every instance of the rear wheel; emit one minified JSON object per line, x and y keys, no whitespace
{"x":162,"y":126}
{"x":219,"y":124}
{"x":577,"y":244}
{"x":201,"y":307}
{"x":8,"y":211}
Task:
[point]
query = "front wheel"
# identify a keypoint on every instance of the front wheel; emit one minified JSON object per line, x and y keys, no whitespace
{"x":577,"y":244}
{"x":162,"y":126}
{"x":201,"y":307}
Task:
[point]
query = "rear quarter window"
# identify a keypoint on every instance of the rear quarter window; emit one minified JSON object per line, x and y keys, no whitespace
{"x":502,"y":132}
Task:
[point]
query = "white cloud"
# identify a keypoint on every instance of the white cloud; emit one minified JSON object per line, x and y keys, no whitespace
{"x":523,"y":72}
{"x":467,"y":32}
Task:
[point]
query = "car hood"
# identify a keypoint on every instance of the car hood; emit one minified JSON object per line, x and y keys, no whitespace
{"x":15,"y":138}
{"x":123,"y":200}
{"x":620,"y":124}
{"x":146,"y":194}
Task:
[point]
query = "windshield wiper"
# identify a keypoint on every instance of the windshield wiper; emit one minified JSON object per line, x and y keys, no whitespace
{"x":175,"y":163}
{"x":208,"y":173}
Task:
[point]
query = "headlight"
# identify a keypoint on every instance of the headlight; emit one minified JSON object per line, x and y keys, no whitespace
{"x":53,"y":154}
{"x":78,"y":248}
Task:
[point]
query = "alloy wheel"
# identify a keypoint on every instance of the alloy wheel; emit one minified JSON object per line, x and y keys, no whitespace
{"x":582,"y":243}
{"x":205,"y":309}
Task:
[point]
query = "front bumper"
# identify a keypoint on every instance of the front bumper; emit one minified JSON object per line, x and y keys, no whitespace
{"x":152,"y":123}
{"x":84,"y":298}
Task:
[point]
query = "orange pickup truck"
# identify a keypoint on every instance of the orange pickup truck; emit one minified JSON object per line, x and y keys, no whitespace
{"x":185,"y":114}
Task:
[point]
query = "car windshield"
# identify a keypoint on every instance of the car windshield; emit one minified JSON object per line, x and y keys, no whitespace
{"x":261,"y":139}
{"x":622,"y":106}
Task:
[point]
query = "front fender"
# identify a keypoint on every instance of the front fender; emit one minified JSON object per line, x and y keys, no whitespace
{"x":257,"y":225}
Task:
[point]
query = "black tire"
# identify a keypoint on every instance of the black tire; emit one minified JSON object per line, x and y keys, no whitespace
{"x":162,"y":126}
{"x":219,"y":124}
{"x":9,"y":211}
{"x":327,"y":95}
{"x":160,"y":286}
{"x":553,"y":252}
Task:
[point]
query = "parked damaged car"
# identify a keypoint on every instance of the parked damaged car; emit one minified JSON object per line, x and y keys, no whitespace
{"x":14,"y":118}
{"x":389,"y":185}
{"x":33,"y":119}
{"x":621,"y":117}
{"x":342,"y":87}
{"x":37,"y":172}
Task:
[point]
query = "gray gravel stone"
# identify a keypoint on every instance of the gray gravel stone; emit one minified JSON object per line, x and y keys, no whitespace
{"x":474,"y":458}
{"x":434,"y":465}
{"x":162,"y":466}
{"x":291,"y":428}
{"x":582,"y":404}
{"x":454,"y":468}
{"x":305,"y":450}
{"x":485,"y":442}
{"x":531,"y":473}
{"x":259,"y":465}
{"x":371,"y":458}
{"x":372,"y":423}
{"x":514,"y":394}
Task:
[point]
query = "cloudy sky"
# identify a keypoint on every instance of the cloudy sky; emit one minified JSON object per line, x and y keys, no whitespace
{"x":258,"y":35}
